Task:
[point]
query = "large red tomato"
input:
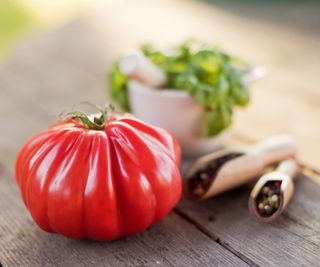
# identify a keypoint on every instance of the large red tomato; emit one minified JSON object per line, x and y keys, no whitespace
{"x":100,"y":180}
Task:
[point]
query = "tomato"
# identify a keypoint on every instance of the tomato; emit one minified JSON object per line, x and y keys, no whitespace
{"x":99,"y":183}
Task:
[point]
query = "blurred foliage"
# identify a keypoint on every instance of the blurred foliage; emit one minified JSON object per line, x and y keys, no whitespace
{"x":14,"y":20}
{"x":211,"y":76}
{"x":118,"y":87}
{"x":18,"y":17}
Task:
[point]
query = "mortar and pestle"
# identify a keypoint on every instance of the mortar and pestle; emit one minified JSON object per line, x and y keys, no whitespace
{"x":174,"y":110}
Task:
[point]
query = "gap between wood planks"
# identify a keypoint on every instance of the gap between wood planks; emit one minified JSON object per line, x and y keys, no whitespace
{"x":214,"y":246}
{"x":245,"y":138}
{"x":311,"y":172}
{"x":213,"y":236}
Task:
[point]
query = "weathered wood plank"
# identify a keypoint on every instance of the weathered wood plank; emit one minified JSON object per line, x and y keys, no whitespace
{"x":44,"y":76}
{"x":292,"y":240}
{"x":172,"y":242}
{"x":18,"y":231}
{"x":30,"y":95}
{"x":53,"y":71}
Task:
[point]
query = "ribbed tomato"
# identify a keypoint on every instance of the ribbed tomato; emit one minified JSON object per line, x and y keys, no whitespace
{"x":100,"y":179}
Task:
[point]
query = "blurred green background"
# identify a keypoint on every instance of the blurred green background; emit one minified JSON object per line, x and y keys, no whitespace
{"x":20,"y":17}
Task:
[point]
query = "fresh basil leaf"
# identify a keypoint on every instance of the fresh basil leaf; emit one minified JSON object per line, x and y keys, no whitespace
{"x":213,"y":122}
{"x":210,"y":75}
{"x":118,"y":87}
{"x":201,"y":97}
{"x":241,"y":96}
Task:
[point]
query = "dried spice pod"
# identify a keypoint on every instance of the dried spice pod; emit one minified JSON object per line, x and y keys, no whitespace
{"x":221,"y":171}
{"x":273,"y":191}
{"x":140,"y":68}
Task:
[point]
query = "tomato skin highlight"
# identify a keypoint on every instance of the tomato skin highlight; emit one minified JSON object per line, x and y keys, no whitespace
{"x":99,"y":184}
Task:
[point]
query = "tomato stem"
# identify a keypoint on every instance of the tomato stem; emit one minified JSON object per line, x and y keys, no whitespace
{"x":93,"y":122}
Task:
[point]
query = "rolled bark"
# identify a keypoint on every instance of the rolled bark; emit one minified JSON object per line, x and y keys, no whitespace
{"x":138,"y":67}
{"x":241,"y":167}
{"x":284,"y":176}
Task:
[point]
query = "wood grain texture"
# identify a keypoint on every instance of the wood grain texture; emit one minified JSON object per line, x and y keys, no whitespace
{"x":44,"y":76}
{"x":172,"y":242}
{"x":31,"y":94}
{"x":292,"y":240}
{"x":54,"y":70}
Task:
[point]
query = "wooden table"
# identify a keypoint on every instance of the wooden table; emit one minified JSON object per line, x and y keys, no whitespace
{"x":53,"y":70}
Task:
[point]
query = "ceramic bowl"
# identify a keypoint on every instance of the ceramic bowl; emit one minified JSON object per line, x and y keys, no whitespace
{"x":177,"y":112}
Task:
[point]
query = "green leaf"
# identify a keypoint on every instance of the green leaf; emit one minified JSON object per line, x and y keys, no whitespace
{"x":15,"y":20}
{"x":210,"y":75}
{"x":213,"y":123}
{"x":241,"y":96}
{"x":118,"y":87}
{"x":201,"y":97}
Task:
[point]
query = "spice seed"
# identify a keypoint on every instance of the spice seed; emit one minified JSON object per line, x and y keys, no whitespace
{"x":204,"y":176}
{"x":265,"y":201}
{"x":265,"y":190}
{"x":267,"y":209}
{"x":269,"y":198}
{"x":261,"y":207}
{"x":270,"y":193}
{"x":274,"y":198}
{"x":198,"y":190}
